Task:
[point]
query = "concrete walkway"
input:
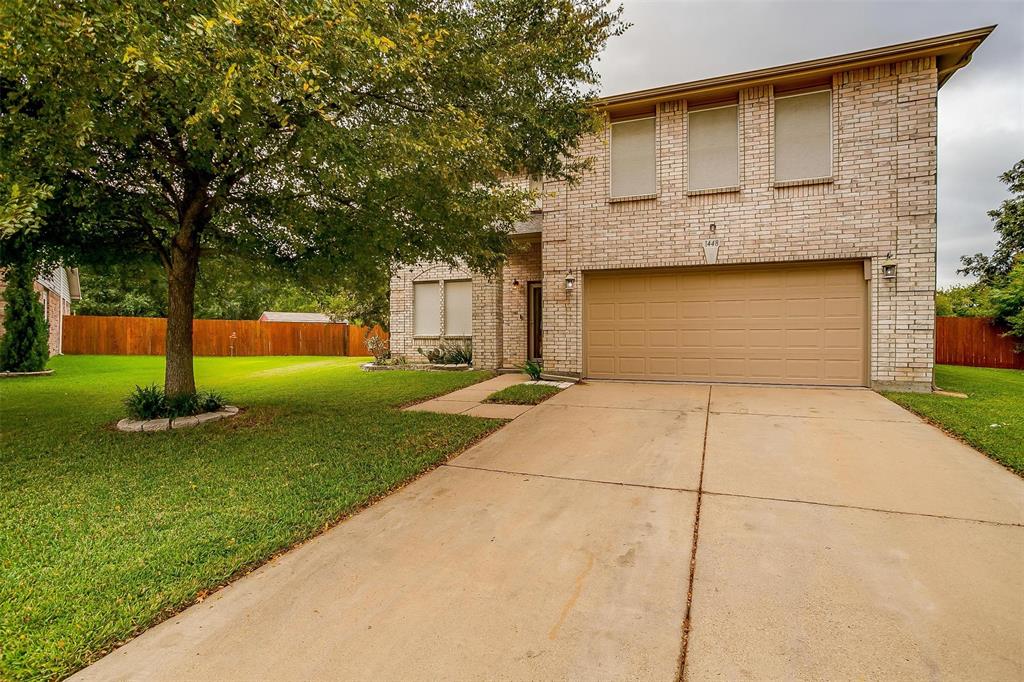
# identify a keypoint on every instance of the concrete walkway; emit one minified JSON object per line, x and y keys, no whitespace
{"x":836,"y":536}
{"x":470,"y":400}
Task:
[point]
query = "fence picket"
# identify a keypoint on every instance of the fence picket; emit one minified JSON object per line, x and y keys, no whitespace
{"x":976,"y":342}
{"x":97,"y":335}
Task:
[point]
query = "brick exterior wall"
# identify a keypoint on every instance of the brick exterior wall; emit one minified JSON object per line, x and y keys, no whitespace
{"x":880,"y":202}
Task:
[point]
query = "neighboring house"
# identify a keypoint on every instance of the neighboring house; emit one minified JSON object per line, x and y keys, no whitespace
{"x":56,"y":291}
{"x":776,"y":226}
{"x":274,"y":316}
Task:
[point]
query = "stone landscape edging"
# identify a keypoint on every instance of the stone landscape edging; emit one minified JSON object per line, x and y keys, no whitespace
{"x":373,"y":367}
{"x":14,"y":375}
{"x":166,"y":423}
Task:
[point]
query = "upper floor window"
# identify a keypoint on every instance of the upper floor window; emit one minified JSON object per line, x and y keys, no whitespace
{"x":713,"y":148}
{"x":633,"y":158}
{"x":458,"y":308}
{"x":803,"y":136}
{"x":426,"y":309}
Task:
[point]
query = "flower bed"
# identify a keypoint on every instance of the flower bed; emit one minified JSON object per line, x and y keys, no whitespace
{"x":165,"y":423}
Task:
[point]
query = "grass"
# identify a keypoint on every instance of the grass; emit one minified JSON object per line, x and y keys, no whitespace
{"x":991,"y":418}
{"x":522,"y":394}
{"x":104,"y":533}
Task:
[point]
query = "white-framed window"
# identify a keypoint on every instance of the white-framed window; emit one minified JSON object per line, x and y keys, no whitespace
{"x":458,"y":308}
{"x":803,"y":136}
{"x":713,"y":148}
{"x":426,"y":311}
{"x":633,"y":158}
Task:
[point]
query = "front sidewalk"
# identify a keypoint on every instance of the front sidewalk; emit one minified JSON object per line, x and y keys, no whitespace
{"x":470,"y":400}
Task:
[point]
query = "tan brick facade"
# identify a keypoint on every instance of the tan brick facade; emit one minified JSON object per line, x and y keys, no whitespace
{"x":878,"y":204}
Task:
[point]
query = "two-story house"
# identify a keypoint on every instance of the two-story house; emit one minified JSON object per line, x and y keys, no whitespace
{"x":776,"y":226}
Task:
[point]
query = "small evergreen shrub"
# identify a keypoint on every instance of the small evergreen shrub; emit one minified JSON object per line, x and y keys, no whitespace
{"x":25,"y":345}
{"x":150,"y":402}
{"x":210,"y":401}
{"x":533,"y":369}
{"x":146,"y":402}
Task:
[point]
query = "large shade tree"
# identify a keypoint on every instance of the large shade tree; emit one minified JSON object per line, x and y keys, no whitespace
{"x":328,"y":136}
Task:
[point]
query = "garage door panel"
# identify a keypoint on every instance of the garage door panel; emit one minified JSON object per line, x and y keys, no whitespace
{"x":602,"y":339}
{"x":729,"y":338}
{"x":631,"y":338}
{"x":805,"y":307}
{"x":849,"y":370}
{"x":600,"y":311}
{"x":666,"y":367}
{"x":632,"y":365}
{"x":772,"y":323}
{"x":844,"y":338}
{"x":662,"y":310}
{"x":629,"y":311}
{"x":632,"y":285}
{"x":663,"y":338}
{"x":804,"y":338}
{"x":844,"y":306}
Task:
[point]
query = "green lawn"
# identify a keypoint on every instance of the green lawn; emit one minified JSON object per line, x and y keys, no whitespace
{"x":991,"y":418}
{"x":522,"y":394}
{"x":102,"y":533}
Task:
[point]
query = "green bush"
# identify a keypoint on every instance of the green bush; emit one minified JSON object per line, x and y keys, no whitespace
{"x":209,"y":401}
{"x":449,"y":353}
{"x":146,"y":402}
{"x":25,"y":345}
{"x":149,"y":402}
{"x":534,"y":369}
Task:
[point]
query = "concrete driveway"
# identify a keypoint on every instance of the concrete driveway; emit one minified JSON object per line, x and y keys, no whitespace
{"x":837,"y":537}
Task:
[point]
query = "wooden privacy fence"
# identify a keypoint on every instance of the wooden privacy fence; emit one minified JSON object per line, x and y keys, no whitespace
{"x":975,"y":342}
{"x":93,"y":335}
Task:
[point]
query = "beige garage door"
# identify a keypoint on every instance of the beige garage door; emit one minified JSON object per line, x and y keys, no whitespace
{"x":783,"y":324}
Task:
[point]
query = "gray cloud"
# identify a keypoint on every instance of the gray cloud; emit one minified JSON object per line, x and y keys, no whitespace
{"x":981,"y":109}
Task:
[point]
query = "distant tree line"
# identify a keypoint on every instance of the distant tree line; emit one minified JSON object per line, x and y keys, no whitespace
{"x":226,"y":289}
{"x":999,"y":289}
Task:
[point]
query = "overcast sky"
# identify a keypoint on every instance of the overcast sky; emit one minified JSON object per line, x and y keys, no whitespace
{"x":981,"y":108}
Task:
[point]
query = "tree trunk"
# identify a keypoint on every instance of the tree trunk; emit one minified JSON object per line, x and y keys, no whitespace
{"x":179,"y":376}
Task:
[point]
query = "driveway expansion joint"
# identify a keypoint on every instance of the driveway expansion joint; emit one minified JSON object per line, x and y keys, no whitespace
{"x":838,"y":505}
{"x":681,"y":674}
{"x":570,"y":478}
{"x":815,"y":416}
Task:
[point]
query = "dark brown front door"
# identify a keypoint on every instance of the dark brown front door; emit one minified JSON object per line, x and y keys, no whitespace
{"x":535,"y":331}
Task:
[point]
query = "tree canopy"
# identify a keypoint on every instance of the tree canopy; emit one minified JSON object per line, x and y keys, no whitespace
{"x":1009,"y":225}
{"x":337,"y":136}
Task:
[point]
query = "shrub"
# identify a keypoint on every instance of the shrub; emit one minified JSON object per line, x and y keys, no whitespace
{"x":25,"y":345}
{"x":150,"y":402}
{"x":534,"y":369}
{"x":146,"y":402}
{"x":209,"y":401}
{"x":378,"y":347}
{"x":449,"y":353}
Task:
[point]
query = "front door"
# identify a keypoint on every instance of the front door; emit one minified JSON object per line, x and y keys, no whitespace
{"x":535,"y":327}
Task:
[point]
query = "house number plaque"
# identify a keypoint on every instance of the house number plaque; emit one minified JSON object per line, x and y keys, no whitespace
{"x":710,"y":251}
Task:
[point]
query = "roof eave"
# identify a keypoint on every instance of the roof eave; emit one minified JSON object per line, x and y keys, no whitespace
{"x":952,"y":52}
